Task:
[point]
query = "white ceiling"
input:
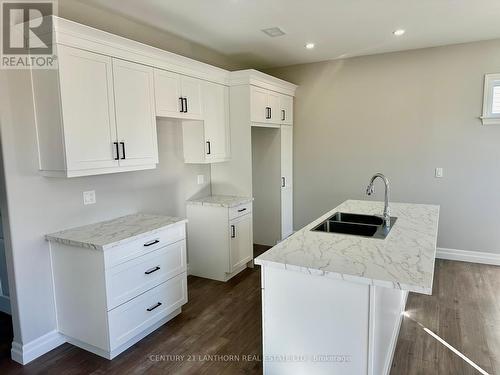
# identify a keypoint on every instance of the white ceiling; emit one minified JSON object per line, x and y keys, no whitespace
{"x":339,"y":28}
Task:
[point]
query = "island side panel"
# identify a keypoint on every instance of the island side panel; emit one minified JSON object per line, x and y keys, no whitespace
{"x":386,"y":308}
{"x":313,"y":324}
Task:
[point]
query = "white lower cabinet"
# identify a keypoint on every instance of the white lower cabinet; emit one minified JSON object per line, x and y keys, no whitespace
{"x":109,"y":299}
{"x":220,"y":240}
{"x":240,"y":246}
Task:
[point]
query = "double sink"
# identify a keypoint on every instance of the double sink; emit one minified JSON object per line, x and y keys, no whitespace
{"x":356,"y":224}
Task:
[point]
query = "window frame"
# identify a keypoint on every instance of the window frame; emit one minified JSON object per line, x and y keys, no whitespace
{"x":490,"y":82}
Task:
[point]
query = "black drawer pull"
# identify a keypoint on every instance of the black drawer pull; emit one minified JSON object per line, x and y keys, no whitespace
{"x":233,"y":231}
{"x":151,"y":270}
{"x":242,"y":209}
{"x":123,"y":150}
{"x":182,"y":104}
{"x":283,"y":115}
{"x":185,"y":105}
{"x":154,"y":242}
{"x":154,"y":307}
{"x":117,"y":149}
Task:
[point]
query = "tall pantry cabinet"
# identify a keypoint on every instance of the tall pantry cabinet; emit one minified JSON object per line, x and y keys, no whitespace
{"x":259,"y":101}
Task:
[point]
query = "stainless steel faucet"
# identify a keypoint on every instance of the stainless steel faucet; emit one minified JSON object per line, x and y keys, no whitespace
{"x":371,"y":189}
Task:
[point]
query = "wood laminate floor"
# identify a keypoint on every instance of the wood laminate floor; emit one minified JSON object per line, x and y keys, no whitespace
{"x":224,"y":319}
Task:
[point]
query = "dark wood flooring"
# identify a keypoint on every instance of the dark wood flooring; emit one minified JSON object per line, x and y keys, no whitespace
{"x":464,"y":310}
{"x":224,"y":319}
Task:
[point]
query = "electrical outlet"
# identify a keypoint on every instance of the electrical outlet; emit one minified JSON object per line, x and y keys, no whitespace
{"x":201,"y":179}
{"x":438,"y":173}
{"x":89,"y":197}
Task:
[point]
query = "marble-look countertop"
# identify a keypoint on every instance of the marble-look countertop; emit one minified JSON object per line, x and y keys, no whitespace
{"x":111,"y":233}
{"x":220,"y":201}
{"x":403,"y":260}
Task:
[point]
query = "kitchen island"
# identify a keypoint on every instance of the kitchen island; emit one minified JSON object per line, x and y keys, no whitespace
{"x":332,"y":303}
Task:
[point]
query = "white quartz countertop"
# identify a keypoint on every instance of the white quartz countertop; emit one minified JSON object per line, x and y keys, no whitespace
{"x":220,"y":201}
{"x":114,"y":232}
{"x":403,"y":260}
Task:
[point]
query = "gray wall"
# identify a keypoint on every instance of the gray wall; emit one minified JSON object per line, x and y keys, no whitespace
{"x":402,"y":114}
{"x":33,"y":205}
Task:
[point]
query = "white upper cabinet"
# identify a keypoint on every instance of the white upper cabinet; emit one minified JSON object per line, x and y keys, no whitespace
{"x":286,"y":109}
{"x":167,"y":93}
{"x":259,"y":105}
{"x":135,"y":119}
{"x":273,"y":103}
{"x":178,"y":96}
{"x":270,"y":107}
{"x":191,"y":91}
{"x":216,"y":115}
{"x":208,"y":141}
{"x":86,"y":108}
{"x":88,"y":112}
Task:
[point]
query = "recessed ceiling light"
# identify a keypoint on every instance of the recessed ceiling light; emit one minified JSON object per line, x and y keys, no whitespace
{"x":273,"y":32}
{"x":309,"y":45}
{"x":399,"y":32}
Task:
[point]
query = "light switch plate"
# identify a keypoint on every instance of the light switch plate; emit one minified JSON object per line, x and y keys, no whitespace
{"x":438,"y":173}
{"x":201,"y":179}
{"x":89,"y":197}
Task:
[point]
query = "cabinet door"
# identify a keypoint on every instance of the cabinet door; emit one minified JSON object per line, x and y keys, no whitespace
{"x":273,"y":102}
{"x":216,"y":121}
{"x":167,"y":94}
{"x":259,"y":107}
{"x":191,"y":89}
{"x":86,"y":84}
{"x":286,"y":181}
{"x":286,"y":109}
{"x":135,"y":113}
{"x":241,"y":244}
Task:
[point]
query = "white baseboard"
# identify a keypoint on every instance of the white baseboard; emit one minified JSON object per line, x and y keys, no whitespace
{"x":5,"y":305}
{"x":26,"y":353}
{"x":468,"y":256}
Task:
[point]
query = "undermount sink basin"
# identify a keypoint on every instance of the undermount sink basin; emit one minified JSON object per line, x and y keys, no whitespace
{"x":355,"y":224}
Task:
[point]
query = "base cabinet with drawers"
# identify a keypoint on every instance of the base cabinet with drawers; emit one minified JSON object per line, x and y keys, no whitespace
{"x":110,"y":296}
{"x":220,"y":233}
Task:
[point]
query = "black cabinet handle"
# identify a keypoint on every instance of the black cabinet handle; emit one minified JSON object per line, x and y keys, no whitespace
{"x":151,"y":243}
{"x":233,"y":231}
{"x":117,"y":149}
{"x":154,"y":307}
{"x":209,"y":150}
{"x":151,"y":270}
{"x":268,"y":113}
{"x":182,"y":104}
{"x":283,"y":116}
{"x":283,"y":182}
{"x":123,"y":150}
{"x":185,"y":105}
{"x":242,"y":209}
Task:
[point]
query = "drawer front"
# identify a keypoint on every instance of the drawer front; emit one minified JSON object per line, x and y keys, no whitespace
{"x":133,"y":317}
{"x":240,"y":210}
{"x":144,"y":245}
{"x":134,"y":277}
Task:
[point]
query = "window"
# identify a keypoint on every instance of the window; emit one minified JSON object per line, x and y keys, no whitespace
{"x":491,"y":102}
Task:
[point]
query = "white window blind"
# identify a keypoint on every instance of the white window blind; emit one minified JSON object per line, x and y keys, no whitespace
{"x":496,"y":100}
{"x":491,"y":101}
